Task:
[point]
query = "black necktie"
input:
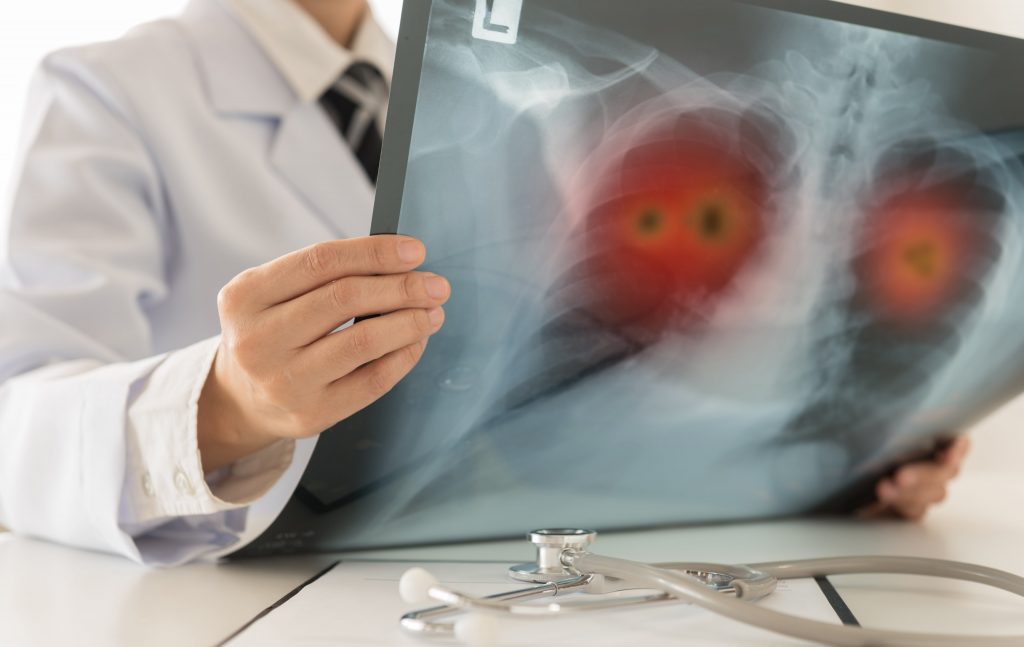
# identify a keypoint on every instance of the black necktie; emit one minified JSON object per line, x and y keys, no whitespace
{"x":355,"y":104}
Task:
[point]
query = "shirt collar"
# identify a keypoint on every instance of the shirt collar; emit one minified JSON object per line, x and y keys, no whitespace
{"x":308,"y":58}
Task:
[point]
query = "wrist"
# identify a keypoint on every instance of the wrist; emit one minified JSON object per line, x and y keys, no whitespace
{"x":223,"y":432}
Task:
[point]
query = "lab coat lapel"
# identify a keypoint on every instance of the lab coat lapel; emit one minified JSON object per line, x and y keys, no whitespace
{"x":310,"y":154}
{"x":306,"y":150}
{"x":239,"y":78}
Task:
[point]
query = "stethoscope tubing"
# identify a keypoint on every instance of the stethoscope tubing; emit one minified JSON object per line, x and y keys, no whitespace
{"x":687,"y":589}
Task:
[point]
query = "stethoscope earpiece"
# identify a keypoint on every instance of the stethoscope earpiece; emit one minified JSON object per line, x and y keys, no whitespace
{"x":415,"y":585}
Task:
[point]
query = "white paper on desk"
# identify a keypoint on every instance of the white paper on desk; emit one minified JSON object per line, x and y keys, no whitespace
{"x":356,"y":604}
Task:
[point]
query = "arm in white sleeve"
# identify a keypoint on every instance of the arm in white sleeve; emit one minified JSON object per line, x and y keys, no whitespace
{"x":174,"y":510}
{"x":98,"y":436}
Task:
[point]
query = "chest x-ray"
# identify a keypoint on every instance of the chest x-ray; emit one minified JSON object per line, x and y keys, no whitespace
{"x":710,"y":260}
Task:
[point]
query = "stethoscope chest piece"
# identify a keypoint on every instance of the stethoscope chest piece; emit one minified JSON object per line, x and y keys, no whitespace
{"x":550,"y":544}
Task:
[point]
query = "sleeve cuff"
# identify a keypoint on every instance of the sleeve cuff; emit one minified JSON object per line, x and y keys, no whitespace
{"x":248,"y":479}
{"x":164,"y":476}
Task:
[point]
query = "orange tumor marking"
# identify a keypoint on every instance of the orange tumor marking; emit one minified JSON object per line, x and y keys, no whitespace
{"x":922,"y":258}
{"x":673,"y":225}
{"x":712,"y":221}
{"x":649,"y":222}
{"x":921,"y":246}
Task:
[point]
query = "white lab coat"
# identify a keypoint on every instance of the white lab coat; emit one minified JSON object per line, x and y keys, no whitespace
{"x":153,"y":170}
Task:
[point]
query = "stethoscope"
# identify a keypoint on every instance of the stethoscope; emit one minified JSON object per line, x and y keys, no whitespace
{"x":564,"y":565}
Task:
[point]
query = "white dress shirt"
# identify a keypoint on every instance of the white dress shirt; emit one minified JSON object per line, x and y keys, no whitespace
{"x":152,"y":170}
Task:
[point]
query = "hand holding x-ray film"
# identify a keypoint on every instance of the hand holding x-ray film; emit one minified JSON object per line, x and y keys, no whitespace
{"x":709,"y":260}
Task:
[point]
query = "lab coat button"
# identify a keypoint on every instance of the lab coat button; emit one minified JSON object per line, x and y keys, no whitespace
{"x":182,"y":483}
{"x":147,"y":485}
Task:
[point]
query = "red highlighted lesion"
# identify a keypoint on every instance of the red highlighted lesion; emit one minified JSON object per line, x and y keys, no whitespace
{"x":675,"y":223}
{"x":922,"y":250}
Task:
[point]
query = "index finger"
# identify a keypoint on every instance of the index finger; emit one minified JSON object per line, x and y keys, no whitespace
{"x":307,"y":269}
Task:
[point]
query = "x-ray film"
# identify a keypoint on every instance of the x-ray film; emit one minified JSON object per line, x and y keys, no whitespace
{"x":711,"y":260}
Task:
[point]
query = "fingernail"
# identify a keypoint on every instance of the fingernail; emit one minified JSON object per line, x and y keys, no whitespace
{"x":410,"y":250}
{"x":436,"y":315}
{"x":437,"y":287}
{"x":962,"y":447}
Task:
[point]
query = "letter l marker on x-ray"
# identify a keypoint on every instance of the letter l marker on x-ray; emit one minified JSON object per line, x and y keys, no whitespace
{"x":497,"y":20}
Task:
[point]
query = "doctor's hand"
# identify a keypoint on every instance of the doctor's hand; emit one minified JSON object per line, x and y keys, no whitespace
{"x":281,"y":371}
{"x":916,"y":487}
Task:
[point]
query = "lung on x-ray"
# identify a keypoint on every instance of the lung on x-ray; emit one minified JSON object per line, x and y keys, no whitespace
{"x":711,"y":260}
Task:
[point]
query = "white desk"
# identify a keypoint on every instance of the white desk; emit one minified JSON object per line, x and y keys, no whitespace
{"x":51,"y":595}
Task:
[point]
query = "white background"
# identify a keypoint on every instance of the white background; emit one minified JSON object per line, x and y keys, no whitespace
{"x":30,"y":29}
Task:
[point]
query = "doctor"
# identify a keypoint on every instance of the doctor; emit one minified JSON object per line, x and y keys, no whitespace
{"x":165,"y":352}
